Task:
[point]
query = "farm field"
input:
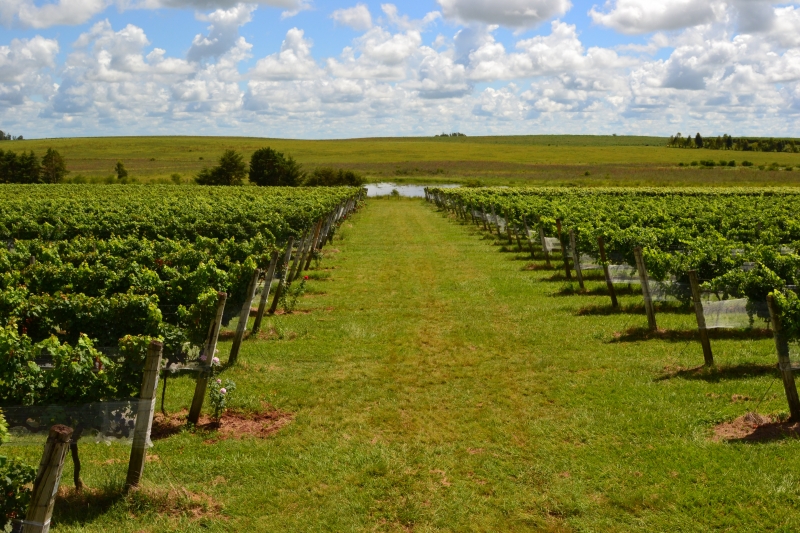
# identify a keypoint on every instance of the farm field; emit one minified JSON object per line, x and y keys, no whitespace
{"x":435,"y":379}
{"x":521,"y":160}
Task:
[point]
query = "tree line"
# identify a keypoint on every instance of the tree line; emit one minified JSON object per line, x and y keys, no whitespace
{"x":727,"y":142}
{"x":27,"y":168}
{"x":269,"y":167}
{"x":8,"y":137}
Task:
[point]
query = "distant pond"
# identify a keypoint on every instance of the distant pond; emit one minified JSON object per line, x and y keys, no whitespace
{"x":410,"y":191}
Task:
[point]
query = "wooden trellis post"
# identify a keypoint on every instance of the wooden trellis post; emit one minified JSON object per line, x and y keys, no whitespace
{"x":528,"y":235}
{"x":287,"y":258}
{"x":564,"y":254}
{"x":496,"y":223}
{"x":244,"y":316}
{"x":643,"y":279}
{"x":784,"y":362}
{"x":701,"y":319}
{"x":144,"y":414}
{"x":544,"y":246}
{"x":262,"y":305}
{"x":609,"y":282}
{"x":576,"y":259}
{"x":45,"y":486}
{"x":209,"y":350}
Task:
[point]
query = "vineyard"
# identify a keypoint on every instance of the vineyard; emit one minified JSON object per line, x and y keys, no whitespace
{"x":270,"y":359}
{"x":90,"y":276}
{"x":728,"y":253}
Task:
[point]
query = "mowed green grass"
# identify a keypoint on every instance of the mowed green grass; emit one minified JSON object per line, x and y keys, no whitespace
{"x":439,"y":384}
{"x":543,"y":159}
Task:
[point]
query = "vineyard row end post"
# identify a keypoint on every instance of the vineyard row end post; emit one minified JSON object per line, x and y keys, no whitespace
{"x":609,"y":282}
{"x":144,"y":414}
{"x":262,"y":304}
{"x":708,"y":356}
{"x":284,"y":273}
{"x":244,"y":316}
{"x":48,"y":476}
{"x":644,"y":280}
{"x":784,"y":362}
{"x":209,"y":350}
{"x":576,"y":259}
{"x":564,"y":254}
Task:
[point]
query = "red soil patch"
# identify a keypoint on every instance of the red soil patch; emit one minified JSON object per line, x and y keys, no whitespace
{"x":233,"y":424}
{"x":753,"y":427}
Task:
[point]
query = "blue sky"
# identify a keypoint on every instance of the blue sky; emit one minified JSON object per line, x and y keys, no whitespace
{"x":325,"y":68}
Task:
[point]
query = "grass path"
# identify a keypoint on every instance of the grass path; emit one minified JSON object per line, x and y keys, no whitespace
{"x":438,"y":384}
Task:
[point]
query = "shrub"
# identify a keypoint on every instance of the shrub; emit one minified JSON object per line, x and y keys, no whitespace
{"x":269,"y":167}
{"x":230,"y":170}
{"x":694,"y":163}
{"x":747,"y":164}
{"x":731,"y":163}
{"x":329,"y":177}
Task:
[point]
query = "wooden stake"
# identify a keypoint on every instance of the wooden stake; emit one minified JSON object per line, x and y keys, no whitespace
{"x":144,"y":415}
{"x":544,"y":246}
{"x":564,"y":255}
{"x":300,"y":250}
{"x":244,"y":316}
{"x":528,"y":235}
{"x":209,"y":350}
{"x":483,"y":211}
{"x":701,"y":319}
{"x":45,"y":486}
{"x":314,"y":245}
{"x":508,"y":226}
{"x":609,"y":283}
{"x":494,"y":218}
{"x":282,"y":281}
{"x":576,"y":258}
{"x":784,"y":363}
{"x":262,"y":305}
{"x":643,"y":279}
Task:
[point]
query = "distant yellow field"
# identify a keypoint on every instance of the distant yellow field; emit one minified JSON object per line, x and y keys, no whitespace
{"x":497,"y":160}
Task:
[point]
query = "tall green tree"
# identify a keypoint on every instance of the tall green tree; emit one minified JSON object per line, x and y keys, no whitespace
{"x":54,"y":168}
{"x":269,"y":167}
{"x":120,"y":170}
{"x":28,"y":168}
{"x":698,"y":140}
{"x":230,"y":170}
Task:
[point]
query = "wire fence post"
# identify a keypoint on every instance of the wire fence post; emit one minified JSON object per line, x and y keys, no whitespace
{"x":45,"y":486}
{"x":609,"y":283}
{"x":643,"y":279}
{"x":244,"y":316}
{"x":262,"y":305}
{"x":209,"y":351}
{"x":708,"y":356}
{"x":784,"y":363}
{"x":144,"y":414}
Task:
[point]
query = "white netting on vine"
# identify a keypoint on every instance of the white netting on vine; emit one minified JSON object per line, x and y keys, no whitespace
{"x":552,"y":244}
{"x":100,"y":422}
{"x":735,"y":314}
{"x":623,"y":274}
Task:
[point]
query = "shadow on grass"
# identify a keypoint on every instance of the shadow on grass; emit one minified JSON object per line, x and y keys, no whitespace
{"x":572,"y":290}
{"x":632,"y":309}
{"x":590,"y":275}
{"x":643,"y":334}
{"x":80,"y":507}
{"x":537,"y":266}
{"x":716,"y":373}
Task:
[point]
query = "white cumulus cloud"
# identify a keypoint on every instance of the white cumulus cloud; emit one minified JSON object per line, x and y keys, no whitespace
{"x":357,"y":17}
{"x":223,"y":33}
{"x":509,"y":13}
{"x":293,"y":62}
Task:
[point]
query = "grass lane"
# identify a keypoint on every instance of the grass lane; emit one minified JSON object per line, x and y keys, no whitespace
{"x":438,"y":384}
